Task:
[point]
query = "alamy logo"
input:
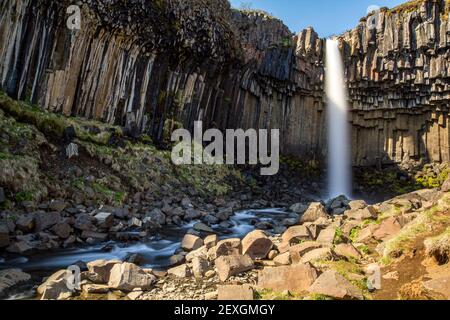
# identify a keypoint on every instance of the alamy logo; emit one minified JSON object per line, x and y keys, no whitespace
{"x":74,"y":19}
{"x":73,"y":278}
{"x":372,"y":21}
{"x":190,"y":151}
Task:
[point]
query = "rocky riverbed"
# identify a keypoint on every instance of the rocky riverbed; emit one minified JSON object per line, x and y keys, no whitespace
{"x":318,"y":251}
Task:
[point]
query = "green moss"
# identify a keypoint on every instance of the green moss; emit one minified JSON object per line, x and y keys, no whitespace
{"x":320,"y":297}
{"x":339,"y":236}
{"x":24,"y":196}
{"x":354,"y":234}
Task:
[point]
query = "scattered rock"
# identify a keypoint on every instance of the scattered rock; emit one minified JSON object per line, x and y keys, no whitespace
{"x":211,"y":295}
{"x":4,"y":236}
{"x":439,"y":288}
{"x":298,"y":208}
{"x":182,"y":271}
{"x":299,"y":250}
{"x":177,"y":259}
{"x":155,"y":216}
{"x":210,"y":241}
{"x":295,"y":278}
{"x":55,"y":287}
{"x":10,"y":278}
{"x":58,"y":205}
{"x":327,"y":236}
{"x":228,"y":247}
{"x":201,"y":227}
{"x":283,"y":259}
{"x":94,"y":235}
{"x":257,"y":245}
{"x":72,"y":150}
{"x":21,"y":247}
{"x":357,"y":204}
{"x":347,"y":250}
{"x":134,"y":295}
{"x":368,"y":212}
{"x":104,"y":219}
{"x":44,"y":220}
{"x":62,"y":230}
{"x":296,"y":234}
{"x":100,"y":269}
{"x":332,"y":284}
{"x":199,"y":267}
{"x":191,"y":242}
{"x":94,"y":289}
{"x":235,"y":293}
{"x":388,"y":228}
{"x":127,"y":277}
{"x":25,"y":223}
{"x":317,"y":254}
{"x":228,"y":266}
{"x":315,"y":211}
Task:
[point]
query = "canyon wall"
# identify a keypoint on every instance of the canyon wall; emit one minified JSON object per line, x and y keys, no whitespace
{"x":152,"y":66}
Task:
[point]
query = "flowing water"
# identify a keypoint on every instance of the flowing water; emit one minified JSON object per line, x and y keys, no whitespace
{"x":155,"y":252}
{"x":339,"y":162}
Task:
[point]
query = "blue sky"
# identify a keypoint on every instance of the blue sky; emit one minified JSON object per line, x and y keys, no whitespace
{"x":328,"y":17}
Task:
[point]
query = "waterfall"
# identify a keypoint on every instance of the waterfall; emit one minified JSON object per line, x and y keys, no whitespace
{"x":339,"y":148}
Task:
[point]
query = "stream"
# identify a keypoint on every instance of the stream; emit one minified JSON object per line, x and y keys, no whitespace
{"x":155,"y":253}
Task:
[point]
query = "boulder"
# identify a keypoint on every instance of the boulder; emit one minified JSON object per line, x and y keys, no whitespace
{"x":446,"y":186}
{"x":94,"y":289}
{"x":283,"y":259}
{"x":368,"y":212}
{"x":104,"y":219}
{"x":127,"y":277}
{"x":56,"y":290}
{"x":62,"y":230}
{"x":299,"y":250}
{"x":201,"y":227}
{"x":387,"y":229}
{"x":58,"y":205}
{"x":327,"y":236}
{"x":439,"y":288}
{"x":228,"y":266}
{"x":191,"y":242}
{"x":315,"y":211}
{"x":357,"y":204}
{"x":177,"y":259}
{"x":235,"y":293}
{"x":366,"y":235}
{"x":83,"y":222}
{"x":228,"y":247}
{"x":210,"y":241}
{"x":295,"y":278}
{"x":257,"y":245}
{"x":296,"y":234}
{"x":199,"y":267}
{"x":317,"y":254}
{"x":21,"y":247}
{"x":101,"y":269}
{"x":94,"y":235}
{"x":10,"y":278}
{"x":44,"y":220}
{"x":25,"y":223}
{"x":4,"y":236}
{"x":332,"y":284}
{"x":347,"y":250}
{"x":55,"y":287}
{"x":199,"y":253}
{"x":155,"y":216}
{"x":182,"y":271}
{"x":298,"y":208}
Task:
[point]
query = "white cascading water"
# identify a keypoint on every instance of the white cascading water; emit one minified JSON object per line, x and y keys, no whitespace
{"x":339,"y":148}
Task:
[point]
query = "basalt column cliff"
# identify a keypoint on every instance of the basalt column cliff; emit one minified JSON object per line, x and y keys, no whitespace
{"x":152,"y":66}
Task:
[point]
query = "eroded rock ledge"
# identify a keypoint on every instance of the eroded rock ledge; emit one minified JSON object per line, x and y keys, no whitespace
{"x":151,"y":66}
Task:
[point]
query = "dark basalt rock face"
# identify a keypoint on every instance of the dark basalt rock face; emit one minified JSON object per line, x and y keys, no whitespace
{"x":152,"y":66}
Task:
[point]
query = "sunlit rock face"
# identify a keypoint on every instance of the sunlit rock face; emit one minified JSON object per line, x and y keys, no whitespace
{"x":151,"y":66}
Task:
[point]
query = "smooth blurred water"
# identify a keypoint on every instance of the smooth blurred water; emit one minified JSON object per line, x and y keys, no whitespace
{"x":339,"y":146}
{"x":155,"y":252}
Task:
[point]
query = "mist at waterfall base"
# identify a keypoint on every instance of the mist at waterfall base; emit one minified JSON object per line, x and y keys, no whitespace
{"x":339,"y":147}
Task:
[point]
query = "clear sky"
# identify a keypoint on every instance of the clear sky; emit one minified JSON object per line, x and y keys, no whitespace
{"x":328,"y":17}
